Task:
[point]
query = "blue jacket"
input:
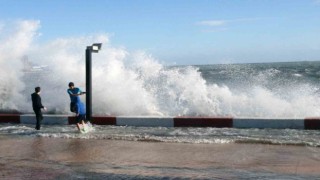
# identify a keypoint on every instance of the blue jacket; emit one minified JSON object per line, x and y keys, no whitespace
{"x":74,"y":91}
{"x":80,"y":108}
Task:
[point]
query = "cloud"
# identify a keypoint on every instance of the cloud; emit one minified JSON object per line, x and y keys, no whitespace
{"x":221,"y":25}
{"x":220,"y":29}
{"x":214,"y":23}
{"x":317,"y":2}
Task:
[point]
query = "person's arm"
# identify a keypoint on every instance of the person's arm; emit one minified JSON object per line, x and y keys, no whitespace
{"x":81,"y":92}
{"x":75,"y":94}
{"x":38,"y":102}
{"x":71,"y":93}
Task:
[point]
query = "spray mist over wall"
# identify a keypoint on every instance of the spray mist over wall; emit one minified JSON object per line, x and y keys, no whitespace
{"x":15,"y":41}
{"x":130,"y":83}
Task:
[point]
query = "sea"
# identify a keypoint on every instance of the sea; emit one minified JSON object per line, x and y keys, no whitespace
{"x":268,"y":90}
{"x":285,"y":89}
{"x":273,"y":90}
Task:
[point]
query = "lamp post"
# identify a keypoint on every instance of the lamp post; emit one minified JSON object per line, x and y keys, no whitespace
{"x":90,"y":49}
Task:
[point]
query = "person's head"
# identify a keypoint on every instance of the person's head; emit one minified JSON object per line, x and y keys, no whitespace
{"x":71,"y":85}
{"x":37,"y":89}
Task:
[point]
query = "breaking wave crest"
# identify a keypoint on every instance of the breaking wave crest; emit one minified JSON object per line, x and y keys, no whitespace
{"x":135,"y":83}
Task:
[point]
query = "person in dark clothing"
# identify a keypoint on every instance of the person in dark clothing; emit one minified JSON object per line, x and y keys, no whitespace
{"x":37,"y":106}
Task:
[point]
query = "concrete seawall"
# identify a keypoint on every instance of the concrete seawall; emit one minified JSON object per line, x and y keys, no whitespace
{"x":156,"y":121}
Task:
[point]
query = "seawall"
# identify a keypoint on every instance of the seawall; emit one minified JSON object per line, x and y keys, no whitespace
{"x":311,"y":123}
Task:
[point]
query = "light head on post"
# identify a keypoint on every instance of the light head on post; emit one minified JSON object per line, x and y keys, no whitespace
{"x":96,"y":47}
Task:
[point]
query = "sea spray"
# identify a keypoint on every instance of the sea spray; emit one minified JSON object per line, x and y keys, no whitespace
{"x":15,"y":40}
{"x":135,"y":83}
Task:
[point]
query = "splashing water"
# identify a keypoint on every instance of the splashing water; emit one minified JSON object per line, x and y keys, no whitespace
{"x":134,"y":83}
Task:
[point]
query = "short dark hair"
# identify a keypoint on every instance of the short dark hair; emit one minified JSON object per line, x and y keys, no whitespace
{"x":71,"y":84}
{"x":37,"y":89}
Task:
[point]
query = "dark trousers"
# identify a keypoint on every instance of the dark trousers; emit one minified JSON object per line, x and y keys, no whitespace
{"x":80,"y":118}
{"x":39,"y":118}
{"x":73,"y":107}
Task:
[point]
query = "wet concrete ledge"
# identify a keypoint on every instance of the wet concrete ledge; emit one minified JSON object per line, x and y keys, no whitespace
{"x":180,"y":121}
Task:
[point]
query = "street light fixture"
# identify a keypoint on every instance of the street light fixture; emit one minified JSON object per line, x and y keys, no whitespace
{"x":96,"y":47}
{"x":90,"y":49}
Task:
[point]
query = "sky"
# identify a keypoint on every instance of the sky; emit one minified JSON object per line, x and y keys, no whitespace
{"x":184,"y":32}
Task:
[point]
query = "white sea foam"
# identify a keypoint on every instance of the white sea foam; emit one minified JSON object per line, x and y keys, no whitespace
{"x":135,"y":83}
{"x":15,"y":40}
{"x":172,"y":135}
{"x":297,"y":75}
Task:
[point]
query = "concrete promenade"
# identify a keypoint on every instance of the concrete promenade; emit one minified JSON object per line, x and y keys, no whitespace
{"x":59,"y":158}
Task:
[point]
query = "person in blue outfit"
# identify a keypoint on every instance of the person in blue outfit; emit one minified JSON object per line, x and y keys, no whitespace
{"x":37,"y":106}
{"x":80,"y":110}
{"x":77,"y":106}
{"x":74,"y":94}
